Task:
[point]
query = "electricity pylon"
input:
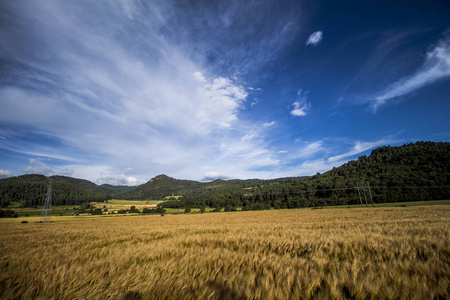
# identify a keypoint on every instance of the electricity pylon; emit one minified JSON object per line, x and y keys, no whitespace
{"x":47,"y":210}
{"x":362,"y":187}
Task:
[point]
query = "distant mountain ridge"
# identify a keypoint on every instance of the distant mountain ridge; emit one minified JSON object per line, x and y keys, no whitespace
{"x":162,"y":186}
{"x":421,"y":164}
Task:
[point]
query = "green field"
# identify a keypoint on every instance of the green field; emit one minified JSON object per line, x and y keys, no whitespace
{"x":65,"y":213}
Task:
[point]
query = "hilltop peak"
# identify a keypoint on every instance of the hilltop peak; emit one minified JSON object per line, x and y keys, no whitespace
{"x":161,"y":177}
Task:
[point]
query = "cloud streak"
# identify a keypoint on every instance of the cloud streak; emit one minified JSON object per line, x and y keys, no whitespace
{"x":126,"y":97}
{"x":359,"y":148}
{"x":435,"y":67}
{"x":121,"y":91}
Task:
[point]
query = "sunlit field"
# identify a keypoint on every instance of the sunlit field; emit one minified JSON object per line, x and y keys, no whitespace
{"x":388,"y":252}
{"x":115,"y":204}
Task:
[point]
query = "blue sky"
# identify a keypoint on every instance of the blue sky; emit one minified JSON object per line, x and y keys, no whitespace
{"x":120,"y":91}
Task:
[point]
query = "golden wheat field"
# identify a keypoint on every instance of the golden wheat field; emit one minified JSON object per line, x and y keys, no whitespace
{"x":285,"y":254}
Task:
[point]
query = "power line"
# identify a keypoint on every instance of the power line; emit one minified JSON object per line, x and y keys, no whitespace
{"x":378,"y":187}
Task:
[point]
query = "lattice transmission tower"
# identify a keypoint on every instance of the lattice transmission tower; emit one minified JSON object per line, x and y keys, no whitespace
{"x":363,"y":186}
{"x":47,"y":210}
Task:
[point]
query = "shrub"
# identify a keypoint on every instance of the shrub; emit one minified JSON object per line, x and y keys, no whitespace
{"x":230,"y":208}
{"x":8,"y":214}
{"x":97,"y":211}
{"x":133,"y":209}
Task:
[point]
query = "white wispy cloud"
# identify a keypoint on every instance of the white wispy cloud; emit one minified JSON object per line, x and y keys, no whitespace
{"x":300,"y":109}
{"x":65,"y":172}
{"x":249,"y":136}
{"x":155,"y":91}
{"x":305,"y":159}
{"x":37,"y":166}
{"x":268,"y":124}
{"x":101,"y":174}
{"x":435,"y":67}
{"x":254,"y":89}
{"x":219,"y":101}
{"x":258,"y":131}
{"x":314,"y":39}
{"x":119,"y":180}
{"x":301,"y":105}
{"x":5,"y":173}
{"x":360,"y":147}
{"x":302,"y":151}
{"x":143,"y":110}
{"x":254,"y":102}
{"x":209,"y":176}
{"x":315,"y":156}
{"x":311,"y":167}
{"x":296,"y":159}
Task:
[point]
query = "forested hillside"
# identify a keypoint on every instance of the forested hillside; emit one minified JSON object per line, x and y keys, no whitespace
{"x":412,"y":172}
{"x":114,"y":190}
{"x":162,"y":186}
{"x":81,"y":183}
{"x":30,"y":190}
{"x":159,"y":187}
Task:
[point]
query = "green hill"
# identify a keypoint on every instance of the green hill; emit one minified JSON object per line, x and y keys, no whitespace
{"x":30,"y":190}
{"x":419,"y":164}
{"x":160,"y":187}
{"x":81,"y":183}
{"x":116,"y":189}
{"x":412,"y":172}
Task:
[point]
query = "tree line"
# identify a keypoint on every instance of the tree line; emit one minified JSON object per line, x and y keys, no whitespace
{"x":412,"y":172}
{"x":30,"y":191}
